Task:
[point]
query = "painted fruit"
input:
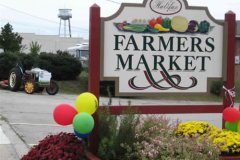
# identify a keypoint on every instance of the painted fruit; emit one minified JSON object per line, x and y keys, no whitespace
{"x":159,"y":20}
{"x":193,"y":26}
{"x":204,"y":26}
{"x":161,"y":28}
{"x":179,"y":24}
{"x":166,"y":23}
{"x":152,"y":22}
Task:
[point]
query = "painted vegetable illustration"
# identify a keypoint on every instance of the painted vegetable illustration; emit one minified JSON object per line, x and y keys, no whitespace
{"x":160,"y":28}
{"x":179,"y":24}
{"x":204,"y":26}
{"x":176,"y":24}
{"x":121,"y":25}
{"x":193,"y":26}
{"x":159,"y":20}
{"x":152,"y":22}
{"x":167,"y":23}
{"x":135,"y":27}
{"x":157,"y":24}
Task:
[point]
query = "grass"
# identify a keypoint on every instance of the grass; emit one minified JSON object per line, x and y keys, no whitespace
{"x":188,"y":97}
{"x":75,"y":86}
{"x":237,"y":89}
{"x":201,"y":97}
{"x":81,"y":85}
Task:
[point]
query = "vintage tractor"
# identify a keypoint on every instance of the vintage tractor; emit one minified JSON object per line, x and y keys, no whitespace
{"x":34,"y":80}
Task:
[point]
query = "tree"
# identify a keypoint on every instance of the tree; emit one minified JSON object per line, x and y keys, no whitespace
{"x":9,"y":40}
{"x":35,"y":47}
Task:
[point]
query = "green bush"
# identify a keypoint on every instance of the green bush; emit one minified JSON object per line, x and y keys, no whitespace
{"x":115,"y":131}
{"x":28,"y":60}
{"x":62,"y":67}
{"x":7,"y":61}
{"x":108,"y":131}
{"x":84,"y":80}
{"x":216,"y":87}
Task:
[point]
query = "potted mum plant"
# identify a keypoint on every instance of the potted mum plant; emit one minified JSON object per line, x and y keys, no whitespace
{"x":227,"y":141}
{"x":62,"y":146}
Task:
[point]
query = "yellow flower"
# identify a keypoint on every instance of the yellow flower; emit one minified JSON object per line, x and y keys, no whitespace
{"x":227,"y":141}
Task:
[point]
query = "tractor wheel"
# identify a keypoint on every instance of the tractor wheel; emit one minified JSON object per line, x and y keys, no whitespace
{"x":15,"y":79}
{"x":29,"y":87}
{"x":52,"y":89}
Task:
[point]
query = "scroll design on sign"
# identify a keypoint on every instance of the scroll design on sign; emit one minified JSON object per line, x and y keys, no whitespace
{"x":166,"y":78}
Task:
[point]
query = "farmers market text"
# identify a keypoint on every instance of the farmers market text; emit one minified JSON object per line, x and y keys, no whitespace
{"x":165,"y":49}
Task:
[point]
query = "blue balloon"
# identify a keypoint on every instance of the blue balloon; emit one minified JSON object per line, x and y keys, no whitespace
{"x":79,"y":135}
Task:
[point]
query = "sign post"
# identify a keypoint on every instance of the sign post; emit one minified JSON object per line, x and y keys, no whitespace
{"x":230,"y":20}
{"x":94,"y":69}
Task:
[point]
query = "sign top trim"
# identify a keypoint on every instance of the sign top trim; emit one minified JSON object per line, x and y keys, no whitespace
{"x":184,"y":4}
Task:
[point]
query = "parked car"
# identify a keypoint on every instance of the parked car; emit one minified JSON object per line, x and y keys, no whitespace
{"x":81,"y":52}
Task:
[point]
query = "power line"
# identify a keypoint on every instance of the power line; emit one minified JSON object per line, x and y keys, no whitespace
{"x":27,"y":13}
{"x":51,"y":21}
{"x":36,"y":26}
{"x":37,"y":17}
{"x":113,"y":1}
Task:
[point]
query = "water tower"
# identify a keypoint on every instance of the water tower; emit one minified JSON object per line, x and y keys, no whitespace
{"x":65,"y":15}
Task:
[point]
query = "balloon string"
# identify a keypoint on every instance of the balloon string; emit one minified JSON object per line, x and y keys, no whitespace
{"x":230,"y":93}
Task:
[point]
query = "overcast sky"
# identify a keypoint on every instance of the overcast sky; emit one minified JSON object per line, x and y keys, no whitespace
{"x":40,"y":16}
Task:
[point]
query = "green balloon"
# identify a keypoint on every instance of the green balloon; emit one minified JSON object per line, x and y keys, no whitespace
{"x":83,"y":123}
{"x":238,"y":126}
{"x":231,"y":126}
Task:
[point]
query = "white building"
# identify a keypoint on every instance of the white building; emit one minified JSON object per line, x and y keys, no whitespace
{"x":49,"y":43}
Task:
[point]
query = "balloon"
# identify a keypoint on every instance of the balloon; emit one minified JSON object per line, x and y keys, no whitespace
{"x":83,"y":123}
{"x":86,"y":102}
{"x":238,"y":126}
{"x":79,"y":135}
{"x":231,"y":114}
{"x":231,"y":126}
{"x":63,"y":114}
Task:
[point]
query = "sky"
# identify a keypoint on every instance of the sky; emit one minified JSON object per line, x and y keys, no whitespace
{"x":41,"y":16}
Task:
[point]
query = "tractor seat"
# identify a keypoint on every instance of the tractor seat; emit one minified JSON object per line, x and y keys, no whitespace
{"x":28,"y":72}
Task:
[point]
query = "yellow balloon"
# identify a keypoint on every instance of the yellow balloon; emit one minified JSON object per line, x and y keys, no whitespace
{"x":86,"y":102}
